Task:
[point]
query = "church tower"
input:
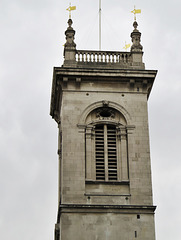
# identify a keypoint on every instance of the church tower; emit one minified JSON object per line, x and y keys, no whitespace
{"x":99,"y":101}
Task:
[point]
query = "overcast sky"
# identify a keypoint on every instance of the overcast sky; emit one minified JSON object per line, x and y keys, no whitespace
{"x":31,"y":43}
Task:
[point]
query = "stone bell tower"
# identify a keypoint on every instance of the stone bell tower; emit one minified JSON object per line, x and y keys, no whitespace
{"x":99,"y":101}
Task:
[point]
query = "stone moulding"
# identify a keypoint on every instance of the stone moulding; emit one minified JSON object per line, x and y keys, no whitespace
{"x":130,"y":209}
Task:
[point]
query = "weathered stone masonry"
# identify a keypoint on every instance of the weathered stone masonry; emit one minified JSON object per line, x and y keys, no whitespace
{"x":99,"y":101}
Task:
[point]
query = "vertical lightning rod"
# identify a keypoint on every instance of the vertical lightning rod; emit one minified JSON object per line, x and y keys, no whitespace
{"x":99,"y":25}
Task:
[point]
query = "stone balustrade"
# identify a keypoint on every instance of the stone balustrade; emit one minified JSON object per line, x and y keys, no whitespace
{"x":85,"y":56}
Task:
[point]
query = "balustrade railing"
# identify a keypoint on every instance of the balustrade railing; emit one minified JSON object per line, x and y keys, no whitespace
{"x":84,"y":56}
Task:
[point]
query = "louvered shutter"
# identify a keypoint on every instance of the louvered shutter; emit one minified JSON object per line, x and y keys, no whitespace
{"x":99,"y":152}
{"x":112,"y":153}
{"x":105,"y":152}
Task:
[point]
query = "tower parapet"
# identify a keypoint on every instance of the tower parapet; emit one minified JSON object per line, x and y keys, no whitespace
{"x":107,"y":59}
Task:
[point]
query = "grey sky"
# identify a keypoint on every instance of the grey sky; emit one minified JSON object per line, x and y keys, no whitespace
{"x":32,"y":38}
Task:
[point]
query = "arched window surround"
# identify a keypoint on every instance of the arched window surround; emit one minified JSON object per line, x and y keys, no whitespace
{"x":122,"y":125}
{"x":82,"y":121}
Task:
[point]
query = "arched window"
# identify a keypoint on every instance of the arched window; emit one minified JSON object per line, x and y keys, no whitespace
{"x":106,"y":146}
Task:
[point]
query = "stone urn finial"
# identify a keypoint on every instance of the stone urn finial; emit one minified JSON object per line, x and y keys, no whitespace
{"x":70,"y":22}
{"x":69,"y":46}
{"x":70,"y":33}
{"x":135,"y":25}
{"x":136,"y":39}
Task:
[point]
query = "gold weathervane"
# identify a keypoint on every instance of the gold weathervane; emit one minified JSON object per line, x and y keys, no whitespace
{"x":127,"y":46}
{"x":136,"y":11}
{"x":70,"y":8}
